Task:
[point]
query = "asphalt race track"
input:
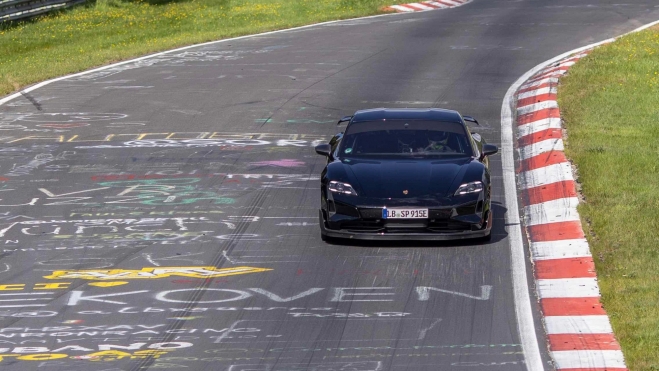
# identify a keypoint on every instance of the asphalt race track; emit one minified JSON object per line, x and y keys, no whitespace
{"x":186,"y":186}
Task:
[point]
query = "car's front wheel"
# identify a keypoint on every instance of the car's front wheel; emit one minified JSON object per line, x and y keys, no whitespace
{"x":488,"y":238}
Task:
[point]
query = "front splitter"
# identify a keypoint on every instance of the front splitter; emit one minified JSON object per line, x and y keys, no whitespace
{"x":392,"y":236}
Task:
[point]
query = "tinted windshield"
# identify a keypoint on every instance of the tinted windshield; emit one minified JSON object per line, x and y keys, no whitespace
{"x":402,"y":138}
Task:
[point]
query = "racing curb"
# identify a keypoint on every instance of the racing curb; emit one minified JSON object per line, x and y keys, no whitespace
{"x":427,"y":5}
{"x":579,"y":333}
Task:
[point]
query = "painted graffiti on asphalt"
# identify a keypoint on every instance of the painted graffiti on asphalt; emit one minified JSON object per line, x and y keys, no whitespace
{"x":153,"y":273}
{"x":180,"y":139}
{"x":158,"y":192}
{"x":149,"y":227}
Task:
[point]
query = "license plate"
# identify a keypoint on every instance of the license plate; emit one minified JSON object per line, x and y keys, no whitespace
{"x":404,"y":213}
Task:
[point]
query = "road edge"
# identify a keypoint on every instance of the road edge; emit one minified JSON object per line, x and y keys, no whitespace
{"x":30,"y":88}
{"x":521,"y":290}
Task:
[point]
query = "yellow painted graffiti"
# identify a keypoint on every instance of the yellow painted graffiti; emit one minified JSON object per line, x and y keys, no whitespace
{"x":153,"y":273}
{"x":104,"y":356}
{"x":36,"y":286}
{"x":108,"y":284}
{"x":115,"y":355}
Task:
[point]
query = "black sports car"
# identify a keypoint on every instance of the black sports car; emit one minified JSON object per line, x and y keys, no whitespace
{"x":412,"y":174}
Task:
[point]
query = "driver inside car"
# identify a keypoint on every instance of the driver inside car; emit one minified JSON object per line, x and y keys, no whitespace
{"x":437,"y":142}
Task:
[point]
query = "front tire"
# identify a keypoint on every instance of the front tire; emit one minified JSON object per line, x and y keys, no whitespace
{"x":327,"y":239}
{"x":487,"y":238}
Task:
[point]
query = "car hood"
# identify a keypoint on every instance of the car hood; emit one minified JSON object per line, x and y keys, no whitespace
{"x":405,"y":178}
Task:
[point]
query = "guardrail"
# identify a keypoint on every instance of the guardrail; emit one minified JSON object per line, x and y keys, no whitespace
{"x":18,"y":9}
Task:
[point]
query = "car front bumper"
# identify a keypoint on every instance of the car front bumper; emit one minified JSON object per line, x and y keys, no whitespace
{"x":414,"y":236}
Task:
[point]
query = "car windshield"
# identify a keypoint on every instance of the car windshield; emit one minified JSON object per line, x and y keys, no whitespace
{"x":402,"y":138}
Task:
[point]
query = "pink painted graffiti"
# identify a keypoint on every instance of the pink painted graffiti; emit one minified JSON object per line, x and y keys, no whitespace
{"x":286,"y":162}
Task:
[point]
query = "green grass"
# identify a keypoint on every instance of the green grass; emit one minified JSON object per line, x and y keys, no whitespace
{"x":107,"y":31}
{"x":610,"y":104}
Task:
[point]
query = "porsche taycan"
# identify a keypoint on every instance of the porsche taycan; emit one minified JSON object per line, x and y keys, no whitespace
{"x":406,"y":174}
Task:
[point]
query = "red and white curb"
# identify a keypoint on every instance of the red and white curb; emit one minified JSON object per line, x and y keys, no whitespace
{"x":579,"y":333}
{"x":427,"y":5}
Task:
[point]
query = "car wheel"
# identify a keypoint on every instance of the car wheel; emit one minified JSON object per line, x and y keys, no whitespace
{"x":327,"y":239}
{"x":487,"y":238}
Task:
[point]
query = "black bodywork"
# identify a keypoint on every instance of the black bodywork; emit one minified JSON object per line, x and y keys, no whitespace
{"x":404,"y":177}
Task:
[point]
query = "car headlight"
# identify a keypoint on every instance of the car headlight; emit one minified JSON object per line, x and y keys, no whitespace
{"x":340,"y":187}
{"x":471,"y":187}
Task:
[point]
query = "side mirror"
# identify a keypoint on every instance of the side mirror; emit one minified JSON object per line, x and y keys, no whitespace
{"x":325,"y":149}
{"x":470,"y":119}
{"x":344,"y":119}
{"x":489,"y":149}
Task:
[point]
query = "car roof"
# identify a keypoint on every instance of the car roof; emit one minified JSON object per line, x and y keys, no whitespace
{"x":431,"y":114}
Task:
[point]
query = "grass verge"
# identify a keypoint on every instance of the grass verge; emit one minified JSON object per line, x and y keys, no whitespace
{"x":106,"y":31}
{"x":610,"y":104}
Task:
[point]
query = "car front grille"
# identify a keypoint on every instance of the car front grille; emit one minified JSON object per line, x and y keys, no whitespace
{"x":403,"y":226}
{"x":369,"y":220}
{"x":345,"y":209}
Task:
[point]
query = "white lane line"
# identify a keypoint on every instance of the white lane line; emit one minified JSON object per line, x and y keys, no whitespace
{"x":537,"y":126}
{"x":576,"y":248}
{"x":541,"y":91}
{"x":521,"y":292}
{"x":536,"y":107}
{"x":568,"y":288}
{"x":129,"y":61}
{"x":546,"y":175}
{"x":24,"y":299}
{"x":578,"y":325}
{"x":554,"y":211}
{"x":588,"y":359}
{"x":29,"y":293}
{"x":538,"y":148}
{"x":23,"y":305}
